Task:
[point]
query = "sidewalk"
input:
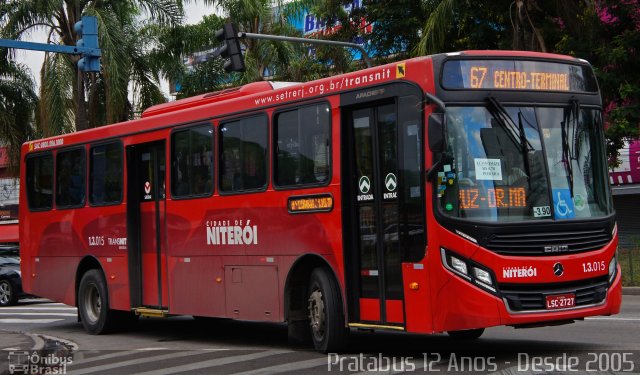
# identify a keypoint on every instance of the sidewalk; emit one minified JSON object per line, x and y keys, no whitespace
{"x":631,"y":290}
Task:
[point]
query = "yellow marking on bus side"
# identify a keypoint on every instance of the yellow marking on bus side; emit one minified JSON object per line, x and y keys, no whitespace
{"x":401,"y":70}
{"x":375,"y":326}
{"x":155,"y":313}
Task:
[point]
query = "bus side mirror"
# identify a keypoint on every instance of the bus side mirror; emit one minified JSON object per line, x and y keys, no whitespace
{"x":437,"y":123}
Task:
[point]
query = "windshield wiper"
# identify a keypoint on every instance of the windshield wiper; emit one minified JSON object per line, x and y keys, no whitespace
{"x":571,"y":117}
{"x":515,"y":132}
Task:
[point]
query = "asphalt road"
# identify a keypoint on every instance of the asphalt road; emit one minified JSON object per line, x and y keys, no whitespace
{"x":184,"y":345}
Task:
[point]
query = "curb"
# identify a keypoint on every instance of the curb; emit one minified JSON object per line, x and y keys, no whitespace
{"x":41,"y":342}
{"x":631,"y":291}
{"x":38,"y":342}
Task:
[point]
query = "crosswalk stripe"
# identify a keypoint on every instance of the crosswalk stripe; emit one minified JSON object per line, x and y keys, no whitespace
{"x":613,"y":318}
{"x":101,"y":357}
{"x":213,"y":363}
{"x":17,"y":320}
{"x":137,"y":361}
{"x":82,"y":361}
{"x":294,"y":366}
{"x":38,"y":314}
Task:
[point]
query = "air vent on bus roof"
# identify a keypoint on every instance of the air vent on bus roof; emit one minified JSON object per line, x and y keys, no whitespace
{"x":213,"y":97}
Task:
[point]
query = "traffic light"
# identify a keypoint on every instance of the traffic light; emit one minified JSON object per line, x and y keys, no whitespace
{"x":231,"y":48}
{"x":87,"y":29}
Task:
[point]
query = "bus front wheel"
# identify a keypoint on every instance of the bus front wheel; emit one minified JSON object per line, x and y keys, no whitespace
{"x":467,"y":334}
{"x":326,"y":316}
{"x":93,"y":303}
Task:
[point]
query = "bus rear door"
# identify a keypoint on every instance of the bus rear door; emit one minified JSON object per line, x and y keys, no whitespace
{"x":145,"y":222}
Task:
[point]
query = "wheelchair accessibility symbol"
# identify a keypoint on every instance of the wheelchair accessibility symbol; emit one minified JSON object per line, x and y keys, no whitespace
{"x":564,"y":207}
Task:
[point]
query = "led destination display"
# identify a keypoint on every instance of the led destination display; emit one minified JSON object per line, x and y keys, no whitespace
{"x":517,"y":75}
{"x":493,"y":198}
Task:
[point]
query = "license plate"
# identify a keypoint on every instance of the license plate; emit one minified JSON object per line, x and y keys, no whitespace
{"x":561,"y":301}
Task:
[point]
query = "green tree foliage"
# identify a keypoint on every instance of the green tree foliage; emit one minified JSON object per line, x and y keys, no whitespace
{"x":263,"y":58}
{"x":395,"y":27}
{"x":18,"y":103}
{"x":72,"y":100}
{"x":609,"y":37}
{"x":173,"y":46}
{"x":204,"y":77}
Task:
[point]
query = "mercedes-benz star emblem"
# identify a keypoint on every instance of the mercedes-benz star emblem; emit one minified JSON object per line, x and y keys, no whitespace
{"x":558,"y":270}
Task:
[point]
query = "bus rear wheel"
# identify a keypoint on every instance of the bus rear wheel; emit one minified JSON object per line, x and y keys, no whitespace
{"x":328,"y":331}
{"x":467,"y":334}
{"x":93,"y":303}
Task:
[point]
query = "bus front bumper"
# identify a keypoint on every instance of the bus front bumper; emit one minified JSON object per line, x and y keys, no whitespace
{"x":477,"y":308}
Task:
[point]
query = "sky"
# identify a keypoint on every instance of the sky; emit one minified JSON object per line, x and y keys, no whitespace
{"x":194,"y":11}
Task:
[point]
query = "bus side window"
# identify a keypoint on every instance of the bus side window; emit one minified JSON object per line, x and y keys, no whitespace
{"x":243,"y":154}
{"x":192,"y":162}
{"x":70,"y":181}
{"x":105,"y":174}
{"x":40,"y":182}
{"x":302,"y":137}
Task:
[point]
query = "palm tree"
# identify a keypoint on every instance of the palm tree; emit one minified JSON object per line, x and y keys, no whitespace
{"x":172,"y":45}
{"x":18,"y":103}
{"x":66,"y":92}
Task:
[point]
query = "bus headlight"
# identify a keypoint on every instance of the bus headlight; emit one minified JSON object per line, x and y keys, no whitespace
{"x":482,"y":276}
{"x":459,"y":265}
{"x":613,"y":268}
{"x":469,"y":270}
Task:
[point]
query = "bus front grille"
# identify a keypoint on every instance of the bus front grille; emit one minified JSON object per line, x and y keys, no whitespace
{"x":549,"y":243}
{"x":527,"y":297}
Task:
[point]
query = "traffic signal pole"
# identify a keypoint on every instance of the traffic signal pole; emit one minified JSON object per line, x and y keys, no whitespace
{"x":309,"y":41}
{"x":45,"y":47}
{"x":87,"y":47}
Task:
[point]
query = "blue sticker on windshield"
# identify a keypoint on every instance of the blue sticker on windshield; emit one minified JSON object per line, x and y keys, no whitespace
{"x":563,"y":204}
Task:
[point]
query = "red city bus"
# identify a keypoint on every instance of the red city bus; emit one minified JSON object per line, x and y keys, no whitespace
{"x":446,"y":193}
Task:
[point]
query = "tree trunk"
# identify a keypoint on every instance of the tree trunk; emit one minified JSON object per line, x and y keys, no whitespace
{"x":81,"y":104}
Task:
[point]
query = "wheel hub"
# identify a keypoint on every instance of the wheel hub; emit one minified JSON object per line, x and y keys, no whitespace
{"x":93,"y":303}
{"x":317,"y":316}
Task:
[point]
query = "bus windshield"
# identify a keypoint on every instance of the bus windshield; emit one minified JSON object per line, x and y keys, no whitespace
{"x":524,"y":163}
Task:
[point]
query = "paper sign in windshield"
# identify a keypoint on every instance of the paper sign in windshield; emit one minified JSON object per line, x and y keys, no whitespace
{"x":488,"y":169}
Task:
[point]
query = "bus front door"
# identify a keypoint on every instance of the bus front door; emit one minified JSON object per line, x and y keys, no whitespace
{"x":146,"y":217}
{"x":384,"y":212}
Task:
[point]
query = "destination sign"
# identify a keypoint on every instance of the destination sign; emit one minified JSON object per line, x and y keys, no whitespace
{"x":322,"y":202}
{"x":493,"y":198}
{"x":517,"y":75}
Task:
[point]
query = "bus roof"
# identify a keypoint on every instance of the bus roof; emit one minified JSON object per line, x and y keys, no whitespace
{"x":259,"y":95}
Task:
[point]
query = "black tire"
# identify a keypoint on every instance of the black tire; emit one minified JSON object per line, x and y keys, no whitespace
{"x":93,"y":304}
{"x":298,"y":333}
{"x":8,"y":293}
{"x":467,"y":334}
{"x":326,"y":316}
